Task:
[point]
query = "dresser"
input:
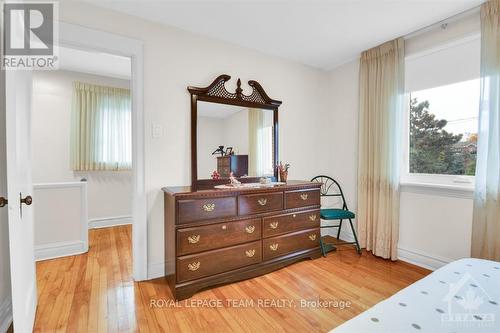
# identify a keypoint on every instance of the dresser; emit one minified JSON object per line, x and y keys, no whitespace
{"x":219,"y":236}
{"x":237,"y":164}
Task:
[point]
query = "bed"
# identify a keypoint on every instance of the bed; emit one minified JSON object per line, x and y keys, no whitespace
{"x":463,"y":296}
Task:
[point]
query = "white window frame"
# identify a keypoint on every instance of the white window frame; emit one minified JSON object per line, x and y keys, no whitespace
{"x":449,"y":185}
{"x":427,"y":181}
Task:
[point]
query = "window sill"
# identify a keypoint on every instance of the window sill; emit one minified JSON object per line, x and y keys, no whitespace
{"x":442,"y":190}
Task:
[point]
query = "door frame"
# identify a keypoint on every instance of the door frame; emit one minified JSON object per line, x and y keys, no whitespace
{"x":80,"y":37}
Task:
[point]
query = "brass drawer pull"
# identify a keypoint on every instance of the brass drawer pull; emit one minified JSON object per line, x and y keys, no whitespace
{"x":194,"y":239}
{"x":250,"y":253}
{"x":262,"y":201}
{"x":312,"y":237}
{"x":304,"y":196}
{"x":274,"y":246}
{"x":209,"y":207}
{"x":312,"y":217}
{"x":250,"y":229}
{"x":224,"y":227}
{"x":294,"y":215}
{"x":273,"y":225}
{"x":194,"y":266}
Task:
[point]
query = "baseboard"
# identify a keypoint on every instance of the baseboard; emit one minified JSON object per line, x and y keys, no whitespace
{"x":414,"y":257}
{"x":5,"y":315}
{"x":107,"y":222}
{"x":61,"y":249}
{"x":411,"y":256}
{"x":157,"y":270}
{"x":421,"y":259}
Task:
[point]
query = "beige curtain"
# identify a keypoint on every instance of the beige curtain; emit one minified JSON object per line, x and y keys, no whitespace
{"x":381,"y":108}
{"x":101,"y":129}
{"x":255,"y":125}
{"x":486,"y":217}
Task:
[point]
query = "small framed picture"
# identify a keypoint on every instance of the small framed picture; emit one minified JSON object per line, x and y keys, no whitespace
{"x":229,"y":151}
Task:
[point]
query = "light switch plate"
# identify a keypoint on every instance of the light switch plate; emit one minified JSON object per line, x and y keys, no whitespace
{"x":156,"y":131}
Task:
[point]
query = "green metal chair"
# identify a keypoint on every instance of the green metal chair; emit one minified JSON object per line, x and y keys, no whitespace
{"x":330,"y":188}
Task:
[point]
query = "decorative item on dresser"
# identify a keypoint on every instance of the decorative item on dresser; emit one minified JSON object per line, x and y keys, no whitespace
{"x":221,"y":236}
{"x":237,"y":164}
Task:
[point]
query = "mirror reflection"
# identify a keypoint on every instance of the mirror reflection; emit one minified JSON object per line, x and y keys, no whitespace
{"x":234,"y":139}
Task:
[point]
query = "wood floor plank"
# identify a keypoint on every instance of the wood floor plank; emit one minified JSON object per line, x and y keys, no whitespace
{"x":95,"y":292}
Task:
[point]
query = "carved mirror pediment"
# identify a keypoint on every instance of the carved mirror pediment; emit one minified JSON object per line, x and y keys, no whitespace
{"x":232,"y":134}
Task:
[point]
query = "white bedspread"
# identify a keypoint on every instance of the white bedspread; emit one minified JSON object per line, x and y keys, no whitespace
{"x":463,"y":296}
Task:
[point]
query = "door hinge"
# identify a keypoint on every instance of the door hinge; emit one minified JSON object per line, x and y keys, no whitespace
{"x":3,"y":202}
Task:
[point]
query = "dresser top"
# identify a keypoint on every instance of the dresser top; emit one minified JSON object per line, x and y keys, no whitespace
{"x":290,"y":185}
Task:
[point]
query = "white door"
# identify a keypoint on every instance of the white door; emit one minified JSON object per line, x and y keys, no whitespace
{"x":19,"y":185}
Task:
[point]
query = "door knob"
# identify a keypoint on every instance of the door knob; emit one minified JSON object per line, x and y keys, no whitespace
{"x":3,"y":202}
{"x":27,"y":201}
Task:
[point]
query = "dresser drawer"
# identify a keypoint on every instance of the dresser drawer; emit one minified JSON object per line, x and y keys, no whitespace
{"x":281,"y":224}
{"x":302,"y":198}
{"x":208,"y":237}
{"x":259,"y":203}
{"x":297,"y":241}
{"x":205,"y":209}
{"x":196,"y":266}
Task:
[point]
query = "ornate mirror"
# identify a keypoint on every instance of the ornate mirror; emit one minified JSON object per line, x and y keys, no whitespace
{"x":232,"y":134}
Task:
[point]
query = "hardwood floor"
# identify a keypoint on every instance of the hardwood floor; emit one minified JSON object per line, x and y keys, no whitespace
{"x":95,"y":292}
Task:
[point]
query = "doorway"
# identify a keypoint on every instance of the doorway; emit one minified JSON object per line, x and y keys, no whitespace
{"x":81,"y":150}
{"x":84,"y":39}
{"x":79,"y":37}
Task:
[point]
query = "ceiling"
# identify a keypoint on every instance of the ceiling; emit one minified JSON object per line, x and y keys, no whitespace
{"x":319,"y":33}
{"x":96,"y":63}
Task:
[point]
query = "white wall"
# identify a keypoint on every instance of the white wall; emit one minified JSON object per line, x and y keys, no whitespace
{"x":435,"y":228}
{"x":210,"y":136}
{"x":109,"y":193}
{"x":5,"y":290}
{"x":236,"y":132}
{"x":61,"y":219}
{"x":174,"y":59}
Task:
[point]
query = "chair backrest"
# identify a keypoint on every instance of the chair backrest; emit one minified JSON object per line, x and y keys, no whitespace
{"x":330,"y":188}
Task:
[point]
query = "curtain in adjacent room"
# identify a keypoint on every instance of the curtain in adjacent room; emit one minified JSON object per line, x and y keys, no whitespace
{"x":101,"y":134}
{"x":486,"y":217}
{"x":381,"y":109}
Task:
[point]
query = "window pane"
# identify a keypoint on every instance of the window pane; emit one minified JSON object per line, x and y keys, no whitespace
{"x":443,"y":129}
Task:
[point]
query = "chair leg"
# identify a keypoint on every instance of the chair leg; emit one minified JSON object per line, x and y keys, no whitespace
{"x":338,"y":230}
{"x":358,"y":248}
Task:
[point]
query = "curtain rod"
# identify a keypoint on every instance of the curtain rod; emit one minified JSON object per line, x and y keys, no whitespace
{"x":455,"y":17}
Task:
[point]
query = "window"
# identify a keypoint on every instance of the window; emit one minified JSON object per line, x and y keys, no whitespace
{"x":442,"y":86}
{"x":443,"y":129}
{"x":101,"y":136}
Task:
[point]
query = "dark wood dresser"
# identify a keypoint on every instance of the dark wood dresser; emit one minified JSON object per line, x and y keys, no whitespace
{"x":237,"y":164}
{"x":224,"y":235}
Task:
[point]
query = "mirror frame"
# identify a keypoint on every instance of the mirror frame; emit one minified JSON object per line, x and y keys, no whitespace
{"x":216,"y":92}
